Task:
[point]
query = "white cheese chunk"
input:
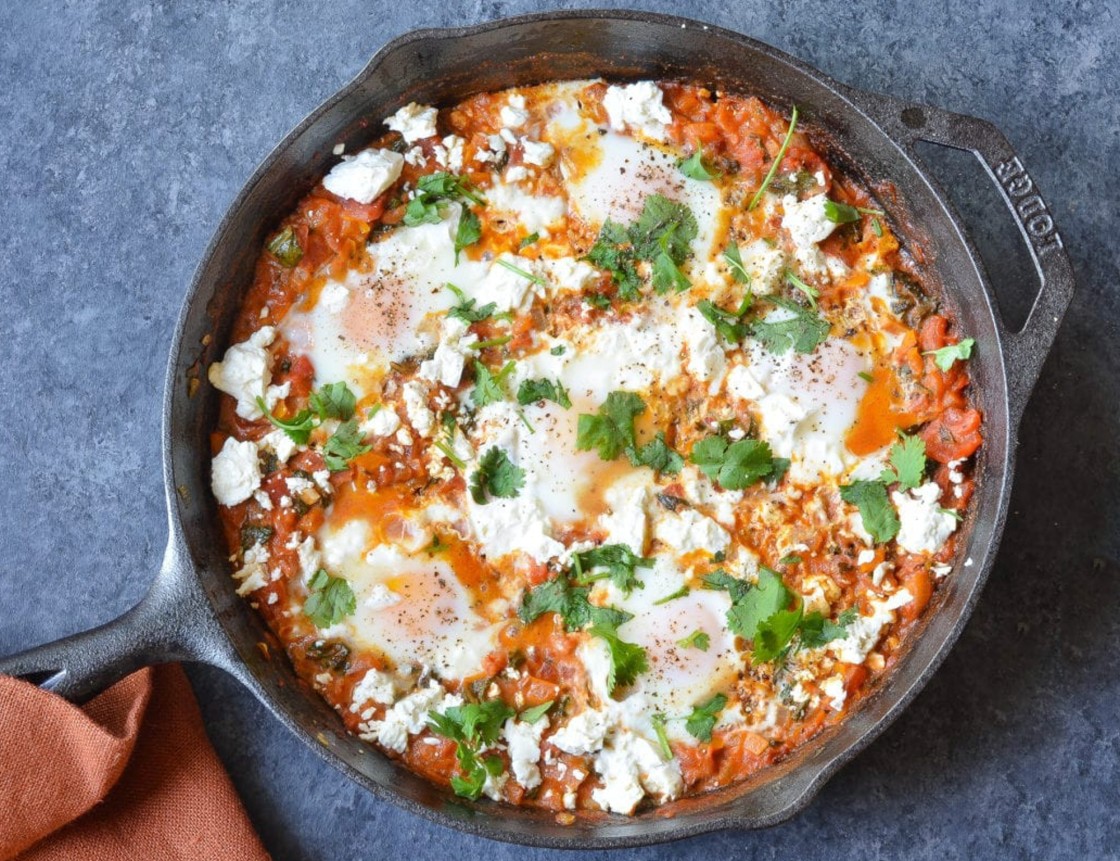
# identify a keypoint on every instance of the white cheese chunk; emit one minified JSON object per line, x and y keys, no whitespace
{"x":535,"y":212}
{"x":688,"y":530}
{"x":245,"y":372}
{"x":414,"y":122}
{"x":923,"y":525}
{"x":365,"y":176}
{"x":513,"y":113}
{"x":236,"y":472}
{"x":537,"y":153}
{"x":570,"y":273}
{"x":420,"y":416}
{"x":375,"y":686}
{"x":706,"y":360}
{"x":805,"y":220}
{"x":279,"y":443}
{"x":862,"y":635}
{"x":630,"y":766}
{"x":409,"y":716}
{"x":765,"y":265}
{"x":446,"y":365}
{"x":583,"y":733}
{"x":523,"y":741}
{"x":639,"y":107}
{"x":507,"y":288}
{"x":384,"y":422}
{"x":833,"y":688}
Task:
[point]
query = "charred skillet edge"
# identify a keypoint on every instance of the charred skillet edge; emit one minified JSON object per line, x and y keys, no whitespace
{"x":213,"y":645}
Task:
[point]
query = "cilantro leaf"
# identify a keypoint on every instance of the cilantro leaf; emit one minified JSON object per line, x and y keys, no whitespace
{"x":298,"y":427}
{"x":285,"y":247}
{"x":734,"y":261}
{"x":468,"y":232}
{"x":659,"y":720}
{"x":343,"y":446}
{"x":657,"y":455}
{"x":431,"y":191}
{"x":703,"y":718}
{"x":816,"y":630}
{"x":333,"y":401}
{"x":811,"y":292}
{"x":496,"y":475}
{"x":908,"y":463}
{"x":694,"y":168}
{"x":487,"y":385}
{"x":664,"y":227}
{"x":698,"y":639}
{"x":946,"y":356}
{"x":758,"y":603}
{"x":875,"y":509}
{"x":776,"y":162}
{"x":534,"y":714}
{"x":735,"y":465}
{"x":628,"y":660}
{"x":474,"y":772}
{"x":619,"y":561}
{"x":531,"y":391}
{"x":721,"y":580}
{"x":773,"y":634}
{"x":609,"y":253}
{"x":466,"y":310}
{"x":803,"y":332}
{"x":330,"y":600}
{"x":667,"y":276}
{"x":611,"y":431}
{"x":471,"y":722}
{"x":729,"y":325}
{"x":570,"y":603}
{"x":840,"y":213}
{"x":672,"y":596}
{"x":528,"y":240}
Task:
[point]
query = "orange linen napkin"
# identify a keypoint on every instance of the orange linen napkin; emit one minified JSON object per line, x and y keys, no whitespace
{"x":130,"y":774}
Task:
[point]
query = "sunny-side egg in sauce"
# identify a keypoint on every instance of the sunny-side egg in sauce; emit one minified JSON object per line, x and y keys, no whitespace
{"x":588,"y":446}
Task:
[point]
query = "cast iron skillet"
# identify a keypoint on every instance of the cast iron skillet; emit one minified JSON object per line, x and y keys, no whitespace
{"x":191,"y":612}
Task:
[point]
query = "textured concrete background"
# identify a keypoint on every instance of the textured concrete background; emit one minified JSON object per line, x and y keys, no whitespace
{"x":125,"y":131}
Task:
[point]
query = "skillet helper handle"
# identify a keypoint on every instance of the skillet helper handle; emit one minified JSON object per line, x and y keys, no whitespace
{"x":172,"y":622}
{"x":1024,"y":350}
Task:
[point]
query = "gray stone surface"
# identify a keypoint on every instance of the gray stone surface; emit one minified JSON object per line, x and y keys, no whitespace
{"x":126,"y":129}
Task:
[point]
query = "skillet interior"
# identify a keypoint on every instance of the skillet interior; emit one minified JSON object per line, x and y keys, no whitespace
{"x":442,"y":67}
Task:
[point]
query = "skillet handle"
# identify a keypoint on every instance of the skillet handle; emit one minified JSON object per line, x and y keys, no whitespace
{"x":1024,"y":350}
{"x":173,"y":622}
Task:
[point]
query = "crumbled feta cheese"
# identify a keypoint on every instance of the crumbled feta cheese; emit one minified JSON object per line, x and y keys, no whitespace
{"x":523,"y":741}
{"x":743,"y":384}
{"x":379,"y":596}
{"x":516,"y":173}
{"x":630,"y":767}
{"x":420,"y":416}
{"x":253,"y":574}
{"x":409,"y":716}
{"x":414,"y":122}
{"x":505,"y":287}
{"x":365,"y":176}
{"x":236,"y":472}
{"x":955,"y":474}
{"x":513,"y":113}
{"x":536,"y":213}
{"x":626,"y":521}
{"x":638,"y":106}
{"x":334,"y":296}
{"x":537,"y":153}
{"x":699,"y":490}
{"x":940,"y":571}
{"x":375,"y":686}
{"x":688,"y":530}
{"x":865,"y":557}
{"x":454,"y":153}
{"x":310,"y":558}
{"x":923,"y":525}
{"x":706,"y":361}
{"x":862,"y":635}
{"x":279,"y":443}
{"x":383,"y":422}
{"x":582,"y":734}
{"x":245,"y":372}
{"x":446,"y":365}
{"x":764,"y":264}
{"x":570,"y":273}
{"x":805,"y":220}
{"x":833,"y":688}
{"x":415,"y":157}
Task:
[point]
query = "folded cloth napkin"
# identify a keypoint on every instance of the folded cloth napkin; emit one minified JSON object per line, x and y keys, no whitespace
{"x":130,"y":774}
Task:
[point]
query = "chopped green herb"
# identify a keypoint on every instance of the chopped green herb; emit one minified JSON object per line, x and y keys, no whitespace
{"x":703,"y":718}
{"x":628,"y":660}
{"x":658,"y":720}
{"x":694,"y":168}
{"x":876,"y":227}
{"x":449,"y":453}
{"x":842,"y":213}
{"x":946,"y":356}
{"x":803,"y":332}
{"x":468,"y":232}
{"x":735,"y":261}
{"x":471,"y":726}
{"x":729,"y":325}
{"x":621,"y":564}
{"x":497,"y":476}
{"x":735,"y":465}
{"x":333,"y":401}
{"x":558,"y":350}
{"x":330,"y":600}
{"x":597,"y":300}
{"x":529,"y":276}
{"x":466,"y":310}
{"x":611,"y":431}
{"x":875,"y":509}
{"x":863,"y":375}
{"x":811,"y":292}
{"x":610,"y":252}
{"x":298,"y":427}
{"x":529,"y":240}
{"x":672,"y":596}
{"x":492,"y":342}
{"x":776,"y":162}
{"x":657,"y":455}
{"x":343,"y":446}
{"x":285,"y":247}
{"x":907,"y":464}
{"x":698,"y":639}
{"x":570,"y":603}
{"x":815,"y":631}
{"x":488,"y":387}
{"x":534,"y":714}
{"x":791,"y":559}
{"x":431,"y":191}
{"x":531,"y":391}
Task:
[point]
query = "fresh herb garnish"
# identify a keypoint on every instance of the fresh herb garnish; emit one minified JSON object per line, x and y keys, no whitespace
{"x":285,"y":247}
{"x":611,"y":430}
{"x":694,"y":168}
{"x":517,"y":270}
{"x":471,"y":726}
{"x":946,"y":356}
{"x":777,"y":161}
{"x":468,"y":232}
{"x":570,"y":603}
{"x":672,"y":596}
{"x":729,"y":324}
{"x":842,"y":213}
{"x":698,"y":639}
{"x":330,"y":600}
{"x":735,"y":262}
{"x":497,"y":476}
{"x":657,"y":455}
{"x":736,"y":465}
{"x":466,"y":310}
{"x":621,"y":564}
{"x":875,"y":509}
{"x":298,"y":427}
{"x":488,"y":387}
{"x":628,"y":660}
{"x":703,"y":718}
{"x":811,"y":292}
{"x":531,"y":391}
{"x":803,"y":332}
{"x":499,"y":341}
{"x":907,"y":462}
{"x":343,"y":446}
{"x":333,"y":401}
{"x":534,"y":714}
{"x":528,"y":240}
{"x":659,"y":720}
